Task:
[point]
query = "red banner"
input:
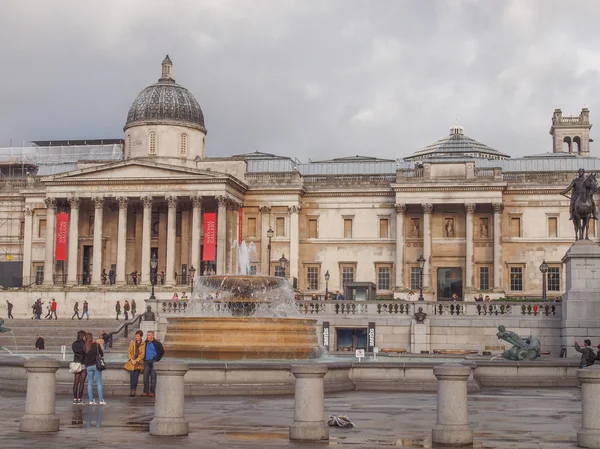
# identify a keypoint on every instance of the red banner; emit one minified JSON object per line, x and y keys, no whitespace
{"x":62,"y":228}
{"x":240,"y":221}
{"x":210,"y":236}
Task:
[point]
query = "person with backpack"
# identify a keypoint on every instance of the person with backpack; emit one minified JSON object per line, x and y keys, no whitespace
{"x":588,"y":357}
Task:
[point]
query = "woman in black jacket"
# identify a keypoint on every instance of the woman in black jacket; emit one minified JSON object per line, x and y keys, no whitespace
{"x":78,"y":348}
{"x":89,"y":360}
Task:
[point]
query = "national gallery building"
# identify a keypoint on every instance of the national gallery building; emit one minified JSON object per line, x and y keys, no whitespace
{"x":73,"y":212}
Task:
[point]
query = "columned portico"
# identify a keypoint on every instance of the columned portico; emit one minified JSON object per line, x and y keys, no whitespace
{"x":196,"y":226}
{"x":400,"y":211}
{"x":50,"y":236}
{"x":427,"y":210}
{"x":146,"y":238}
{"x":122,"y":240}
{"x":171,"y":238}
{"x":74,"y":202}
{"x":497,"y":208}
{"x":470,"y":210}
{"x":294,"y":241}
{"x":221,"y":234}
{"x":97,"y":256}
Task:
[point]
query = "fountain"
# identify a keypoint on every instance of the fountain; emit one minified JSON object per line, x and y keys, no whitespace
{"x":242,"y":317}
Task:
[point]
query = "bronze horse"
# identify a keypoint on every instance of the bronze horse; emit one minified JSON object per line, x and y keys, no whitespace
{"x":584,"y":207}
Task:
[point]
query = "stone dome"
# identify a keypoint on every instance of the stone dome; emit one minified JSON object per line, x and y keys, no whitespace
{"x":165,"y":103}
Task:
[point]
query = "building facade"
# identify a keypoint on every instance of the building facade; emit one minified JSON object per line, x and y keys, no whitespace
{"x":483,"y":222}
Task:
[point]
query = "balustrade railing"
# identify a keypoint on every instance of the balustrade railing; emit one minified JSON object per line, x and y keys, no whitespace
{"x":83,"y":279}
{"x":59,"y":279}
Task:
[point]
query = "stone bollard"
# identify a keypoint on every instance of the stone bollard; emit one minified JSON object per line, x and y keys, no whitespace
{"x":452,"y":426}
{"x":589,"y":434}
{"x":40,"y":403}
{"x":170,"y":401}
{"x":309,"y":403}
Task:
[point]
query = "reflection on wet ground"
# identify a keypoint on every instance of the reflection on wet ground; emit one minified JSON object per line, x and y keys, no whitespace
{"x":525,"y":418}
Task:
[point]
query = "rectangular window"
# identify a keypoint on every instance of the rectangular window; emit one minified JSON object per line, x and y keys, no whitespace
{"x":279,"y":271}
{"x":515,"y":226}
{"x":39,"y":274}
{"x":516,"y":279}
{"x":312,"y":228}
{"x":552,"y":227}
{"x":251,"y":227}
{"x":383,"y":278}
{"x":415,"y":278}
{"x":280,"y":227}
{"x":553,"y":279}
{"x":347,"y":228}
{"x":42,"y":228}
{"x":347,"y":276}
{"x":383,"y":228}
{"x":312,"y":278}
{"x":484,"y":278}
{"x":22,"y":229}
{"x":253,"y":270}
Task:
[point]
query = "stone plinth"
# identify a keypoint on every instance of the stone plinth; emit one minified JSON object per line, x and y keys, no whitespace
{"x":169,"y":419}
{"x":581,"y":301}
{"x":452,"y":427}
{"x":589,"y":434}
{"x":309,"y":403}
{"x":40,"y":401}
{"x":420,"y":336}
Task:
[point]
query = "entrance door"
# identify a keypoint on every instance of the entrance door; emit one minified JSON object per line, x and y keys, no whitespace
{"x":449,"y":282}
{"x":88,"y":257}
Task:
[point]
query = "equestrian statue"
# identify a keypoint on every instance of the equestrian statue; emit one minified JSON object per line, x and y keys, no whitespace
{"x":582,"y":207}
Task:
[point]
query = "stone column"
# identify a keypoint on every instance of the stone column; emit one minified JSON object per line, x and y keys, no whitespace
{"x":27,"y":243}
{"x":229,"y":239}
{"x":452,"y":427}
{"x":169,"y":419}
{"x":497,"y":207}
{"x":50,"y":239}
{"x":399,"y":281}
{"x":73,"y":240}
{"x":221,"y":234}
{"x":146,"y":239}
{"x":97,"y":257}
{"x":196,"y":224}
{"x":171,"y":237}
{"x":589,"y":434}
{"x":122,"y":240}
{"x":309,"y":403}
{"x":470,"y":210}
{"x":427,"y":210}
{"x":264,"y":240}
{"x":294,"y":241}
{"x":40,"y":403}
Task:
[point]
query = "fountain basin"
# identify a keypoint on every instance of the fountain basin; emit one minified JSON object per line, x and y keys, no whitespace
{"x":239,"y":338}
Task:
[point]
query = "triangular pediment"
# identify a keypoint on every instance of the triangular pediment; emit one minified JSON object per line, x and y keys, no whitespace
{"x":135,"y":170}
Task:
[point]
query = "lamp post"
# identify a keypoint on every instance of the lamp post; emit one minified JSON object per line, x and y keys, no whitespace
{"x":421,"y":261}
{"x":283,"y":263}
{"x":270,"y":235}
{"x":153,"y":267}
{"x":192,"y":271}
{"x":544,"y":270}
{"x":327,"y":276}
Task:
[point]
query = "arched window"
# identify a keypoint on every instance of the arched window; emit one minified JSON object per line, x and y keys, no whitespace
{"x":183,"y":145}
{"x":576,"y":144}
{"x":128,"y":146}
{"x":152,"y":143}
{"x":567,"y":144}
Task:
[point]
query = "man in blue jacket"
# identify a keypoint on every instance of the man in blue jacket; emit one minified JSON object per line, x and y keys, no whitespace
{"x":154,"y":352}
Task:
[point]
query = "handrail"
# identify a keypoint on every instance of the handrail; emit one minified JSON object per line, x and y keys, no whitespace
{"x":123,"y":326}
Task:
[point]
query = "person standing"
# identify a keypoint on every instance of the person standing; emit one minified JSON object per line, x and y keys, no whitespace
{"x":76,"y":311}
{"x":118,"y":309}
{"x":39,"y":343}
{"x":9,"y":308}
{"x":154,"y":352}
{"x":133,"y":306}
{"x":53,"y":307}
{"x":85,"y":310}
{"x":78,"y":348}
{"x":103,"y":276}
{"x":92,"y":350}
{"x":136,"y":354}
{"x":111,"y":276}
{"x":126,"y":308}
{"x":588,"y":357}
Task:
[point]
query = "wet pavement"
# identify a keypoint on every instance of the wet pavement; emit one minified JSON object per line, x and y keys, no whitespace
{"x":500,"y":418}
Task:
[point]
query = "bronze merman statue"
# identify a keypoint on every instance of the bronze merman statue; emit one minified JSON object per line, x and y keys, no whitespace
{"x":3,"y":329}
{"x":523,"y":348}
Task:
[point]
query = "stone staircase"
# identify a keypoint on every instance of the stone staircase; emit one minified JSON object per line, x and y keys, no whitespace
{"x":56,"y":333}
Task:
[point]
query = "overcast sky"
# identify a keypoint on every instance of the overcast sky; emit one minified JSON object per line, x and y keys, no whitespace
{"x":306,"y":78}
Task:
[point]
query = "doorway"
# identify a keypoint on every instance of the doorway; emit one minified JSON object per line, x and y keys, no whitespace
{"x":449,"y":282}
{"x":88,"y":257}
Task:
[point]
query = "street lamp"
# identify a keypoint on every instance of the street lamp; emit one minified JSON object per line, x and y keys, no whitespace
{"x":421,"y":261}
{"x":327,"y":276}
{"x":153,"y":267}
{"x":192,"y":271}
{"x":270,"y":235}
{"x":283,"y":263}
{"x":544,"y":270}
